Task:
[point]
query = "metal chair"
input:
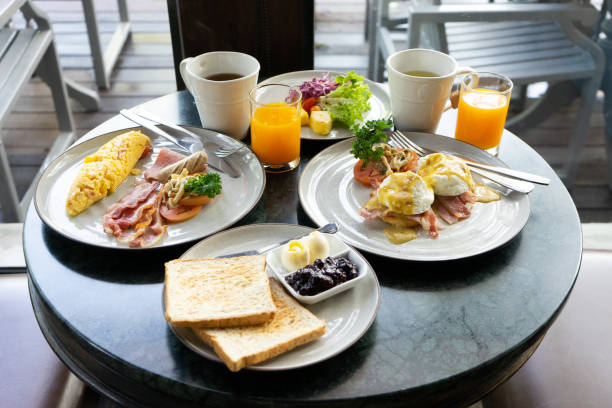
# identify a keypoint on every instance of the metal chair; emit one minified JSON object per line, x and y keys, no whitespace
{"x":527,"y":42}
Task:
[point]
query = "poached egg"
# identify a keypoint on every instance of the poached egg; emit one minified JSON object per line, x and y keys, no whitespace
{"x":446,"y":175}
{"x":405,"y":193}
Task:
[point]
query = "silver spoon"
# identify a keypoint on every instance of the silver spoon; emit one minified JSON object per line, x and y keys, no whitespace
{"x":327,"y":228}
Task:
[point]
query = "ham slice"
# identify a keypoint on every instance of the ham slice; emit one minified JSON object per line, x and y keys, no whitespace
{"x":165,"y":158}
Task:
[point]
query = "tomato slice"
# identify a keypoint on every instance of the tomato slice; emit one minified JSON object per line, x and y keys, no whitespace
{"x":195,"y":200}
{"x":180,"y":213}
{"x":369,"y":176}
{"x":308,"y":103}
{"x":412,"y":164}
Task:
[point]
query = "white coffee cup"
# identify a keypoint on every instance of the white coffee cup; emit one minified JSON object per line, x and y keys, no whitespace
{"x":223,"y":105}
{"x":417,"y":102}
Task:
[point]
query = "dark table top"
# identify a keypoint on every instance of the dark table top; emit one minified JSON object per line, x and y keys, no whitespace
{"x":446,"y":332}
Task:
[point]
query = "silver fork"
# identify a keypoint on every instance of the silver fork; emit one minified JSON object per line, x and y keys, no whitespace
{"x":227,"y":151}
{"x":402,"y":140}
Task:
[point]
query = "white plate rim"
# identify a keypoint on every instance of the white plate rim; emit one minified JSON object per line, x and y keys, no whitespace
{"x":261,"y":366}
{"x":396,"y":255}
{"x":163,"y":243}
{"x":313,"y":72}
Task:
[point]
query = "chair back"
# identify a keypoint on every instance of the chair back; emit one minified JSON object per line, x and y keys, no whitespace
{"x":279,"y":33}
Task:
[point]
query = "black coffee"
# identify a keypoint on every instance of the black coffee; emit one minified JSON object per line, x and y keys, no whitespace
{"x":223,"y":77}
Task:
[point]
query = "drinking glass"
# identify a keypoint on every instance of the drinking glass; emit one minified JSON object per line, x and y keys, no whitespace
{"x":483,"y":105}
{"x":275,"y":126}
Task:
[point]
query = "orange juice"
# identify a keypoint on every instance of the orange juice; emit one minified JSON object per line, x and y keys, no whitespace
{"x":275,"y":133}
{"x":481,"y":117}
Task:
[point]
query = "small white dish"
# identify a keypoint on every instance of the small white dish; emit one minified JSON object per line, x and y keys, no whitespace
{"x":336,"y":248}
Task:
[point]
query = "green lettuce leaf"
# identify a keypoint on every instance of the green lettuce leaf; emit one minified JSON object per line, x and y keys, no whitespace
{"x":347,"y":103}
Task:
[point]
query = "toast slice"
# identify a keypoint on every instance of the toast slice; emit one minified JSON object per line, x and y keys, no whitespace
{"x":220,"y":292}
{"x":292,"y":326}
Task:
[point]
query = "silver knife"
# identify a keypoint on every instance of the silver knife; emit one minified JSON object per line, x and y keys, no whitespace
{"x":187,"y":146}
{"x":514,"y":184}
{"x":534,"y":178}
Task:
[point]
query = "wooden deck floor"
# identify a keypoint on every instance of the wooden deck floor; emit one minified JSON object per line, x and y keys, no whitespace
{"x":145,"y":71}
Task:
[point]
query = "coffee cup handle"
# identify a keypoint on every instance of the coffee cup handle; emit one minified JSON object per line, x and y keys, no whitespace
{"x":184,"y":73}
{"x":454,"y":94}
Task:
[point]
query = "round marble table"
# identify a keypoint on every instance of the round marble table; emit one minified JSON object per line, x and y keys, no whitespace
{"x":445,"y":335}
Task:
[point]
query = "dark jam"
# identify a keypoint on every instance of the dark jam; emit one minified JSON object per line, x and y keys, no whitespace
{"x":321,"y":275}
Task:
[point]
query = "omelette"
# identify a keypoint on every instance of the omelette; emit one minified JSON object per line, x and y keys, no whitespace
{"x":105,"y":170}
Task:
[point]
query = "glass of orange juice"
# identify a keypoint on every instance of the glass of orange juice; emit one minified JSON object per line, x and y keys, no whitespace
{"x":275,"y":126}
{"x":483,"y":105}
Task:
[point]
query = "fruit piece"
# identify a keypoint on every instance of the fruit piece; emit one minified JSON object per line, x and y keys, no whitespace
{"x":304,"y":117}
{"x":320,"y":122}
{"x":315,"y":108}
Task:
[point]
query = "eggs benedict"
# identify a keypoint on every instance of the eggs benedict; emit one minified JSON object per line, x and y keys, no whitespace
{"x":403,"y":200}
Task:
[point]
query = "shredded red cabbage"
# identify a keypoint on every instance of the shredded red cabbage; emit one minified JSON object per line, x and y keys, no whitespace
{"x":317,"y":87}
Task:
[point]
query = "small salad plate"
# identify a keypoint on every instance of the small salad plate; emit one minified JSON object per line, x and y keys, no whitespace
{"x":337,"y":248}
{"x":380,"y":105}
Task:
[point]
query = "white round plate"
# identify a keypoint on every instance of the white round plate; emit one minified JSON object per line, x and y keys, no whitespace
{"x":329,"y":193}
{"x":238,"y":196}
{"x":380,"y":105}
{"x":348,"y":314}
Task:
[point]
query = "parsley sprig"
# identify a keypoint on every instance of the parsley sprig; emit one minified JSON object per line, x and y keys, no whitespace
{"x":368,"y":135}
{"x":208,"y":184}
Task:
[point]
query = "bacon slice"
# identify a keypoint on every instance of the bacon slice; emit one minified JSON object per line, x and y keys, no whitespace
{"x":135,"y":219}
{"x":454,"y":208}
{"x":127,"y":211}
{"x":428,"y":222}
{"x":154,"y":231}
{"x":164,"y":158}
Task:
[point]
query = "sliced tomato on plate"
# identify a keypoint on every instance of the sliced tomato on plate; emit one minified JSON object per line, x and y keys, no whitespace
{"x":413,"y":163}
{"x":195,"y":200}
{"x":179,"y":213}
{"x":369,"y":176}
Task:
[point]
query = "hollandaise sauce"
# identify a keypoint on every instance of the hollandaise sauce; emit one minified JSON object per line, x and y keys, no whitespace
{"x":399,"y":235}
{"x":397,"y":192}
{"x":485,"y":194}
{"x":439,"y":164}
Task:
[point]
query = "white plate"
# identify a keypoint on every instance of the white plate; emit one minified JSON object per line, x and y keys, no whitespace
{"x":337,"y":248}
{"x":329,"y":193}
{"x":380,"y":105}
{"x":348,"y":314}
{"x":238,"y":196}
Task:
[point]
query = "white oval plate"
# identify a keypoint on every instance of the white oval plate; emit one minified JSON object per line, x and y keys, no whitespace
{"x":238,"y":196}
{"x":380,"y":105}
{"x":329,"y":193}
{"x":348,"y":314}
